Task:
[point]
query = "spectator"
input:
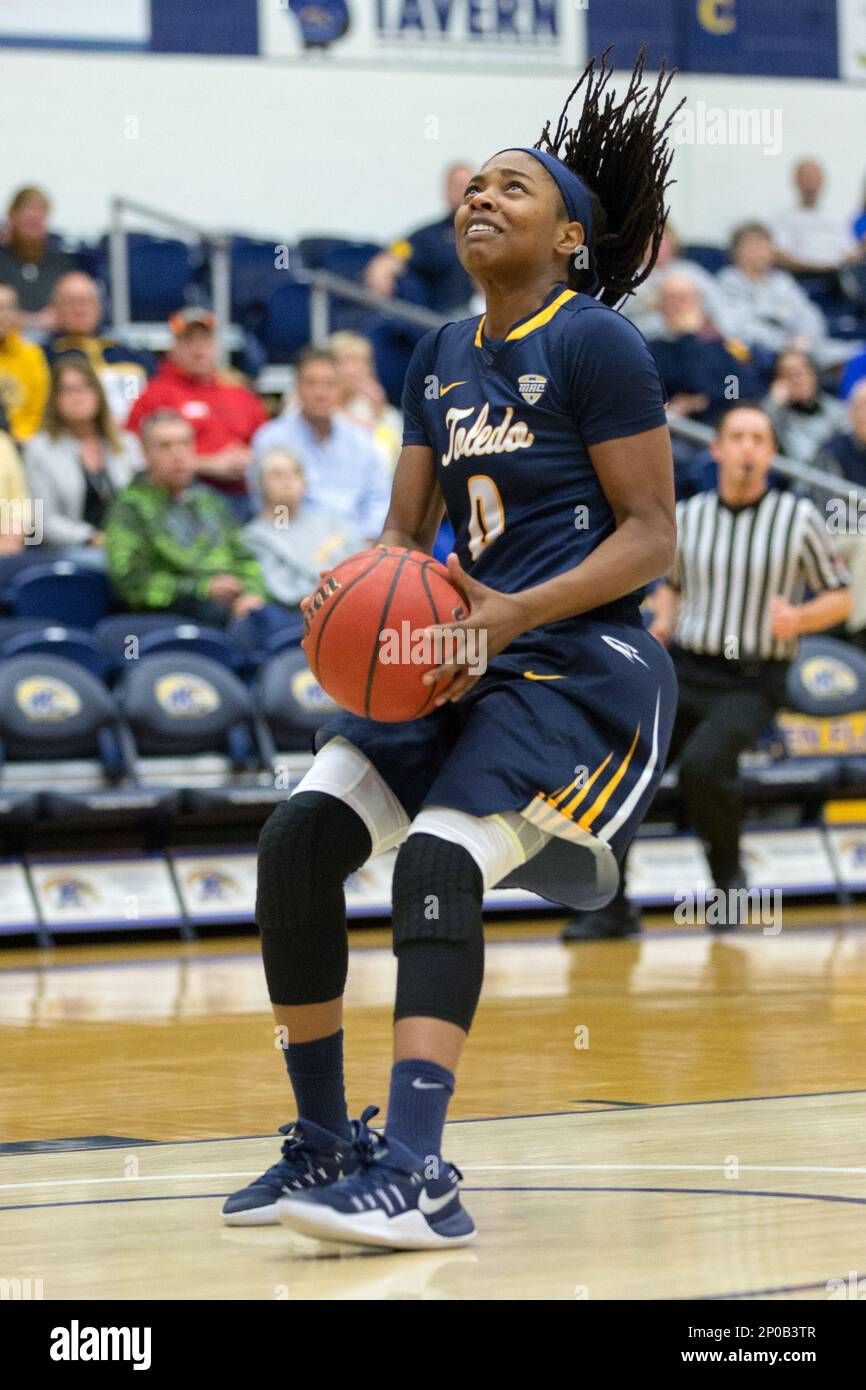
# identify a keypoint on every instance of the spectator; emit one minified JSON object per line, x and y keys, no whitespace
{"x":13,"y":502}
{"x":765,"y":307}
{"x":803,"y":416}
{"x":809,"y":241}
{"x":292,"y":540}
{"x":24,"y":375}
{"x":362,"y":397}
{"x":343,"y":470}
{"x":430,"y":255}
{"x":845,"y":451}
{"x":122,"y":371}
{"x":30,"y":258}
{"x":643,"y":306}
{"x":732,"y":609}
{"x":224,"y":416}
{"x":77,"y":462}
{"x":172,"y":544}
{"x":701,"y":370}
{"x":845,"y":454}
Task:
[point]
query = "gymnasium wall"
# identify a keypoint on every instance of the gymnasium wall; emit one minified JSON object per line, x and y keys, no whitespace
{"x":280,"y":148}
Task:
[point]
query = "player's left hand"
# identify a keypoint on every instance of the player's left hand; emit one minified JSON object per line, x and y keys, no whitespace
{"x":494,"y":620}
{"x":785,"y":618}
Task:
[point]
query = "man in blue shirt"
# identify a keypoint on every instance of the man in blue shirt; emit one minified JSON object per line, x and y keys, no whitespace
{"x":343,"y":469}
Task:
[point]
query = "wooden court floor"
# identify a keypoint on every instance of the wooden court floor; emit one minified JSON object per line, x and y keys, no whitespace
{"x":677,"y":1117}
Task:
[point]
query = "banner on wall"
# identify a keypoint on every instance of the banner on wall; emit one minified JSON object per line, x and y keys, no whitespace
{"x":446,"y":33}
{"x":76,"y":23}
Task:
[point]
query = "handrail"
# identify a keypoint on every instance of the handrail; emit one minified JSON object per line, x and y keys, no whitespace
{"x":696,"y":433}
{"x":323,"y":284}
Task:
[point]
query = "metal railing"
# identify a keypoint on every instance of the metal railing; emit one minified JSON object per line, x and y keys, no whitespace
{"x":324,"y":286}
{"x":817,"y":478}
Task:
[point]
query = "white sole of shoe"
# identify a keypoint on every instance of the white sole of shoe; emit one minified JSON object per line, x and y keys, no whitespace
{"x":407,"y":1232}
{"x":255,"y":1216}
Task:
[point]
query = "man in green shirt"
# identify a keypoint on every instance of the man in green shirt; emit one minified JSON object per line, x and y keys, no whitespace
{"x":173,"y":544}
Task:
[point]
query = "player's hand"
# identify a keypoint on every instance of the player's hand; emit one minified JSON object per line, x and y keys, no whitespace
{"x":225,"y":588}
{"x":785,"y":618}
{"x":494,"y":620}
{"x":662,"y":633}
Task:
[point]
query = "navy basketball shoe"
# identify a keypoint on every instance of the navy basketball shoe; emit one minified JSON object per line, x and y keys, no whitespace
{"x":387,"y":1201}
{"x":312,"y":1157}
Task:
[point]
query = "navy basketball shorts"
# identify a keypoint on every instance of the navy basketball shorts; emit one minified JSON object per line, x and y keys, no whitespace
{"x":569,"y":730}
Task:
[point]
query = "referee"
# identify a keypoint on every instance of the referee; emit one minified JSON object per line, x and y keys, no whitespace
{"x":731,"y":608}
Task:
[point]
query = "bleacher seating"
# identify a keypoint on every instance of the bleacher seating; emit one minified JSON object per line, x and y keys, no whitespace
{"x":68,"y":593}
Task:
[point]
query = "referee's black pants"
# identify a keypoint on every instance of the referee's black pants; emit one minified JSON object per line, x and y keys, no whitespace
{"x":723,"y":708}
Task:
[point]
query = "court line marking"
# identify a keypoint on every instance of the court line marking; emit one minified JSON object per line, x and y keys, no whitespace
{"x":610,"y":1107}
{"x":653,"y":1191}
{"x":467,"y":1168}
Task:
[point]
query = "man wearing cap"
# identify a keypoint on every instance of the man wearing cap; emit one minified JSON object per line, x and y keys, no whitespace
{"x":224,"y":416}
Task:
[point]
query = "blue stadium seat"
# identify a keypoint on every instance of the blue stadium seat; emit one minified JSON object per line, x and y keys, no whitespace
{"x":350,"y":259}
{"x":287,"y":322}
{"x":71,"y":594}
{"x":182,"y":704}
{"x":161,"y":269}
{"x":54,"y":710}
{"x":255,"y":278}
{"x":262,"y":632}
{"x":828,"y":677}
{"x":712,"y":258}
{"x":292,"y":702}
{"x":113,"y":634}
{"x":73,"y":644}
{"x":314,"y":249}
{"x":209,"y":642}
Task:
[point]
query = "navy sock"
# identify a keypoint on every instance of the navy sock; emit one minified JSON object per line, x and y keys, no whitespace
{"x":316,"y":1073}
{"x":417,"y":1105}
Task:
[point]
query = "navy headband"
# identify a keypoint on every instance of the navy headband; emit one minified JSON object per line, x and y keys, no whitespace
{"x":575,"y":195}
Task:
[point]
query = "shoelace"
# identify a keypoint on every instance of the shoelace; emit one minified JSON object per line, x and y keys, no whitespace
{"x":297,"y":1154}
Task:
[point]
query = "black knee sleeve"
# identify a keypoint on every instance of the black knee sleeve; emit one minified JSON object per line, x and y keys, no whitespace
{"x":438,"y":933}
{"x":307,"y":849}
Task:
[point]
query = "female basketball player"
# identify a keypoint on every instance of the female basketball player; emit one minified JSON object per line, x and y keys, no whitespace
{"x":541,"y":429}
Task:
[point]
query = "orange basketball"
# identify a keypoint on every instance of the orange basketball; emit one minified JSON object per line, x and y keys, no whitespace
{"x":364,"y":631}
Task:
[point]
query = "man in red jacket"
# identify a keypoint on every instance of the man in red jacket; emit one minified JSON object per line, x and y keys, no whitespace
{"x":224,"y":416}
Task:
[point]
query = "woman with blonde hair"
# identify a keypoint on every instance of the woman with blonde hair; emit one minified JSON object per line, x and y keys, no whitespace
{"x":77,"y":462}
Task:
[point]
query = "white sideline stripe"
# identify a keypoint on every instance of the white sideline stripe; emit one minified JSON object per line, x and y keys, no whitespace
{"x":468,"y":1168}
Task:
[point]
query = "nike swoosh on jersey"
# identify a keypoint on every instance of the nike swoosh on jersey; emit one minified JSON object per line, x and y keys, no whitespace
{"x":443,"y":390}
{"x":429,"y":1205}
{"x":531,"y":676}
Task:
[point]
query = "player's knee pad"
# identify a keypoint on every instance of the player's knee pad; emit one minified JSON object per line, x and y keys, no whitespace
{"x":307,"y":849}
{"x":343,"y":771}
{"x":438,"y":933}
{"x":437,"y":892}
{"x":498,"y":844}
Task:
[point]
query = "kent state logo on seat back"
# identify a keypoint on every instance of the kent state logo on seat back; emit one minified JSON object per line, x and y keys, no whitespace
{"x":46,"y":700}
{"x":184,"y":696}
{"x":307,"y":693}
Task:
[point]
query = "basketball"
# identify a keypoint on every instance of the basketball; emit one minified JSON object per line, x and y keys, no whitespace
{"x":364,"y":631}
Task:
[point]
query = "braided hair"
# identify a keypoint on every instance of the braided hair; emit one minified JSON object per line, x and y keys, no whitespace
{"x":623,"y":158}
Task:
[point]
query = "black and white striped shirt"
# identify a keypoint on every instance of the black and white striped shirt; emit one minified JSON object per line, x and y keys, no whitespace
{"x":731,"y":561}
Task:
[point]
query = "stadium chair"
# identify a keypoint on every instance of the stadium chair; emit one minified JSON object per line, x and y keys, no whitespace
{"x":160,"y":271}
{"x":114,"y":632}
{"x":73,"y":644}
{"x":292,"y":703}
{"x":287,"y":322}
{"x":53,"y":710}
{"x":69,"y":593}
{"x":828,"y":677}
{"x":313,"y":249}
{"x":255,"y":278}
{"x":263,"y":632}
{"x":712,"y":258}
{"x":189,"y":637}
{"x":350,"y":259}
{"x":179,"y":705}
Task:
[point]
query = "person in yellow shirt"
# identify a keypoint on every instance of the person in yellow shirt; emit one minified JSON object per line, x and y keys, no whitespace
{"x":15,"y":508}
{"x":24,"y":376}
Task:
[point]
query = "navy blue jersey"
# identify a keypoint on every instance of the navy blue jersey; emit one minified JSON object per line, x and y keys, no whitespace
{"x":511,"y":422}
